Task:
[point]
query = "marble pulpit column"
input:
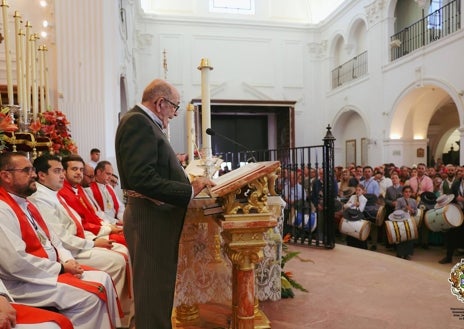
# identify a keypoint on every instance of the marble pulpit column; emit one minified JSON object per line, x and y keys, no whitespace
{"x":243,"y":241}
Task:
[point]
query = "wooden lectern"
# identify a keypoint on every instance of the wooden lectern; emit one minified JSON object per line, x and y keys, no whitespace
{"x":243,"y":218}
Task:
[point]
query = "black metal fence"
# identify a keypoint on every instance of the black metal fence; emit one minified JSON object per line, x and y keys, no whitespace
{"x":307,"y":185}
{"x":351,"y":70}
{"x":432,"y":27}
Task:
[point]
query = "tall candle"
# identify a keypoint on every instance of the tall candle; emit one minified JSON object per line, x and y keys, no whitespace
{"x":205,"y":107}
{"x":42,"y":79}
{"x":7,"y":52}
{"x":35,"y":95}
{"x":190,"y":132}
{"x":19,"y":87}
{"x":24,"y":91}
{"x":47,"y":90}
{"x":27,"y":68}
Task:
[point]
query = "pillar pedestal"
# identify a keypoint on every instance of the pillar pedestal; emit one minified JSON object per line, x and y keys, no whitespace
{"x":243,"y":241}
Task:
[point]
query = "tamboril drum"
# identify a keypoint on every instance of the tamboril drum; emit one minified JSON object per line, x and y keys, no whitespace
{"x":401,"y":231}
{"x":442,"y":219}
{"x":358,"y":229}
{"x":418,"y":218}
{"x":380,"y":218}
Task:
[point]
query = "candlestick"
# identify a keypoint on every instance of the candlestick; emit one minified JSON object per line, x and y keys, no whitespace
{"x":42,"y":79}
{"x":47,"y":90}
{"x":27,"y":68}
{"x":6,"y":41}
{"x":190,"y":117}
{"x":205,"y":67}
{"x":35,"y":95}
{"x":19,"y":87}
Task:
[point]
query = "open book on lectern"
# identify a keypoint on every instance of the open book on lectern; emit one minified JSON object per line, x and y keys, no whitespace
{"x":240,"y":177}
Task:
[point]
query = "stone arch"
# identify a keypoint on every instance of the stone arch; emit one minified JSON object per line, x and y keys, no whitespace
{"x":357,"y":36}
{"x":349,"y":124}
{"x":429,"y":110}
{"x":336,"y":48}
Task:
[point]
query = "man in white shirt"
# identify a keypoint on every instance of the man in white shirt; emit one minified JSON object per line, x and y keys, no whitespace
{"x":104,"y":194}
{"x":94,"y":157}
{"x":36,"y":269}
{"x":97,"y":252}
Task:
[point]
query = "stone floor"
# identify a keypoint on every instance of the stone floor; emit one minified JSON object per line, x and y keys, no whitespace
{"x":354,"y":288}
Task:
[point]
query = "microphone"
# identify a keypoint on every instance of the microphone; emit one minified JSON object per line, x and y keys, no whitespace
{"x":212,"y":132}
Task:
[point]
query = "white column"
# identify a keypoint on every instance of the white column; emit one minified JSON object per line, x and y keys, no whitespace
{"x":461,"y":145}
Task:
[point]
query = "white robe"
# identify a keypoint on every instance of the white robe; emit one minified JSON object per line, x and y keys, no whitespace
{"x":42,"y":325}
{"x":111,"y":261}
{"x":108,"y":203}
{"x":32,"y":280}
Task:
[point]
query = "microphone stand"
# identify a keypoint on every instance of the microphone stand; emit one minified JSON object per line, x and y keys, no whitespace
{"x":212,"y":132}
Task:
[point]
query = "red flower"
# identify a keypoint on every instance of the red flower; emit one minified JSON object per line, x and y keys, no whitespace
{"x":35,"y":126}
{"x":54,"y":125}
{"x":6,"y":123}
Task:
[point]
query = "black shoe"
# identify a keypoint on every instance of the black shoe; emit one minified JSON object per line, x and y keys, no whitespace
{"x":373,"y":247}
{"x":407,"y":257}
{"x":446,"y":260}
{"x":426,"y":246}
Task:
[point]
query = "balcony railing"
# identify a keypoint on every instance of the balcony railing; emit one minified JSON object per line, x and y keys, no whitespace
{"x":438,"y":24}
{"x":351,"y":70}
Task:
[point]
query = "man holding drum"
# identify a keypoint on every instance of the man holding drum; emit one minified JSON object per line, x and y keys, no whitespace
{"x":419,"y":184}
{"x":408,"y":205}
{"x":454,"y":236}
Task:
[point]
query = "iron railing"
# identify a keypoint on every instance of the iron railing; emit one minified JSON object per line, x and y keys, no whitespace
{"x":351,"y":70}
{"x":308,"y":201}
{"x":438,"y":24}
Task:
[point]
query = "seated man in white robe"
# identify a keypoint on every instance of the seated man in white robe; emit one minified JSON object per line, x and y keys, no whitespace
{"x":103,"y":193}
{"x":20,"y":316}
{"x":34,"y":266}
{"x":97,"y":252}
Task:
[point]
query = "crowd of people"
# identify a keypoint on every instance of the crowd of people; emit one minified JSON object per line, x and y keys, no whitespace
{"x":62,"y":244}
{"x":72,"y":253}
{"x":382,"y":195}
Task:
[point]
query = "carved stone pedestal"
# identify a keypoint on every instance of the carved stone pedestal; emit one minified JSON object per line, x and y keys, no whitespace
{"x":243,"y":241}
{"x":205,"y":274}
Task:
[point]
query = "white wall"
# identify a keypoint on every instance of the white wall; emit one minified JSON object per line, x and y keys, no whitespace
{"x":261,"y":59}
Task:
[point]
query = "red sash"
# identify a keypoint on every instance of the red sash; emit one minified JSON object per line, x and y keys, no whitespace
{"x":115,"y":199}
{"x":99,"y":198}
{"x":79,"y":228}
{"x":30,"y":315}
{"x":94,"y":287}
{"x":33,"y":245}
{"x":81,"y":204}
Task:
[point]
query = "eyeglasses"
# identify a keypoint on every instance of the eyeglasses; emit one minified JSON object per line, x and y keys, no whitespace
{"x":90,"y":176}
{"x":176,"y":107}
{"x":26,"y":170}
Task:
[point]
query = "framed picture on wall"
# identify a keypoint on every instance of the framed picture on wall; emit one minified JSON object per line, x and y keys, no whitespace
{"x":364,"y":143}
{"x":350,"y":150}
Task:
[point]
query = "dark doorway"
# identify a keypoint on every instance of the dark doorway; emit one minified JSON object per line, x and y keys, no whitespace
{"x":250,"y":131}
{"x":257,"y":125}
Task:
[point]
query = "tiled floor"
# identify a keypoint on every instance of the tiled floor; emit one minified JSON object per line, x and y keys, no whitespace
{"x":353,"y":288}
